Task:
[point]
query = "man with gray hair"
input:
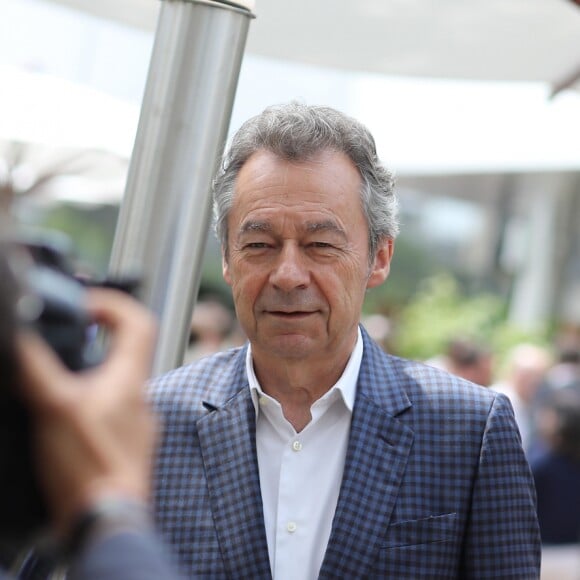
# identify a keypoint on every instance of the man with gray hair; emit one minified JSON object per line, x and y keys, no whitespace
{"x":310,"y":452}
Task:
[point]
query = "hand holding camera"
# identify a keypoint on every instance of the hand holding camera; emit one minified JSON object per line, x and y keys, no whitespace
{"x":93,"y":431}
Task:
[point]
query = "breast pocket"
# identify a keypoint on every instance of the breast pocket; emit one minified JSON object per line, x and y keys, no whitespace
{"x":420,"y":549}
{"x":429,"y":530}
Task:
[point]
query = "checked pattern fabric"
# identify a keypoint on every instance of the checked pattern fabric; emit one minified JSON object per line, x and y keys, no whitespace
{"x":435,"y":485}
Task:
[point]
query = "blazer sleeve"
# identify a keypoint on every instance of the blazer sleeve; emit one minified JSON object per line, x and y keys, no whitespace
{"x":126,"y":555}
{"x":503,"y":536}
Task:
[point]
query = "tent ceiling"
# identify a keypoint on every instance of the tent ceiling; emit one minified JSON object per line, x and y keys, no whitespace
{"x":527,"y":40}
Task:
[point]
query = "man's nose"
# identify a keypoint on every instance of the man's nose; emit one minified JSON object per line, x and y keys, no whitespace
{"x":290,"y":270}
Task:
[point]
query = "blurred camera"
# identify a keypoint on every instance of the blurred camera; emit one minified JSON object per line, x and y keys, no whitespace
{"x":51,"y":302}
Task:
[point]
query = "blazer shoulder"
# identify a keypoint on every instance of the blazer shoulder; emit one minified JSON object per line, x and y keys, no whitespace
{"x":213,"y":379}
{"x":440,"y":403}
{"x":437,"y":385}
{"x":424,"y":386}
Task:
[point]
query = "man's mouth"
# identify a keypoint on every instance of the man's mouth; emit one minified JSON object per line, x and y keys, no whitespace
{"x":290,"y":314}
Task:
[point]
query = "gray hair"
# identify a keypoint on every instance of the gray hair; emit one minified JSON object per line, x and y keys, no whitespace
{"x":298,"y":132}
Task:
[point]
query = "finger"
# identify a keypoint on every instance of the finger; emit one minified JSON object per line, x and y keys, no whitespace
{"x":132,"y":330}
{"x":44,"y":380}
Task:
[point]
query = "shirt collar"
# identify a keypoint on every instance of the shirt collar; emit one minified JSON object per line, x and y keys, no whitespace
{"x":345,"y":386}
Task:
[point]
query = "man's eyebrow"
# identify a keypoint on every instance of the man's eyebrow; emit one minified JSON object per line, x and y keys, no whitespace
{"x":255,"y":226}
{"x":325,"y":226}
{"x":310,"y":227}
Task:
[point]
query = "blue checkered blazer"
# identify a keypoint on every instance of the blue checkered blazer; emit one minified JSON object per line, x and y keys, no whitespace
{"x":435,"y":483}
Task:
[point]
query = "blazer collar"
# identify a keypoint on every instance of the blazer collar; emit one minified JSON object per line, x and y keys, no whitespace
{"x":227,"y":437}
{"x":382,"y":378}
{"x":378,"y":450}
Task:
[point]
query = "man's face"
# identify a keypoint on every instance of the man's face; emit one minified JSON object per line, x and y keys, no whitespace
{"x":298,"y":256}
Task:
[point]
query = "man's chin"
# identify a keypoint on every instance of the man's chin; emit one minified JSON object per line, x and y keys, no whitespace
{"x":289,"y":346}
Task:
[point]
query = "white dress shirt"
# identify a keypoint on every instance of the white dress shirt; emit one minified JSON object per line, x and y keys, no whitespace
{"x":301,"y":473}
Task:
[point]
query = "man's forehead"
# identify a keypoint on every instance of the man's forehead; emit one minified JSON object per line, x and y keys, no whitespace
{"x":266,"y":174}
{"x":272,"y":162}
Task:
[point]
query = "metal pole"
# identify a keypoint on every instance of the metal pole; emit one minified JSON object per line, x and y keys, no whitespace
{"x":185,"y":114}
{"x":533,"y":292}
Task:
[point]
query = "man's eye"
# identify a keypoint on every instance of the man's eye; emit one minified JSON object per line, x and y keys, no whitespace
{"x":320,"y":245}
{"x":256,"y":245}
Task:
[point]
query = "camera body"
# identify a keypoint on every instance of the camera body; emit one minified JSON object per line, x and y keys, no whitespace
{"x":52,"y":303}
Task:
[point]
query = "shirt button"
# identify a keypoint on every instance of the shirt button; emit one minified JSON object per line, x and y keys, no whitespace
{"x":297,"y":446}
{"x":291,"y":527}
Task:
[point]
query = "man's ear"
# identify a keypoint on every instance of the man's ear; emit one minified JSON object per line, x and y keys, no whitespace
{"x":382,"y":263}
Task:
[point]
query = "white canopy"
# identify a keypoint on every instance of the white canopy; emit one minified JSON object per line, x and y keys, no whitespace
{"x":531,"y":40}
{"x":44,"y":109}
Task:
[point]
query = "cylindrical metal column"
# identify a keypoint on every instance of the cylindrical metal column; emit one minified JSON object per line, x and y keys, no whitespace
{"x":185,"y":115}
{"x":533,"y":292}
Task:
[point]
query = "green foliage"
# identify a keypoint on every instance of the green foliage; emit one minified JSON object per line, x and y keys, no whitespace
{"x":90,"y":231}
{"x":411,"y":264}
{"x":440,"y":311}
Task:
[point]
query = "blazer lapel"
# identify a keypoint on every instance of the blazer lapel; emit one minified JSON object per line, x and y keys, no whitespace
{"x":377,"y":454}
{"x":228,"y":442}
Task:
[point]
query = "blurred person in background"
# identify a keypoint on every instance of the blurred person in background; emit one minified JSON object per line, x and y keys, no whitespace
{"x":212,"y":323}
{"x":470,"y":360}
{"x":525,"y":369}
{"x":566,"y":370}
{"x":556,"y":470}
